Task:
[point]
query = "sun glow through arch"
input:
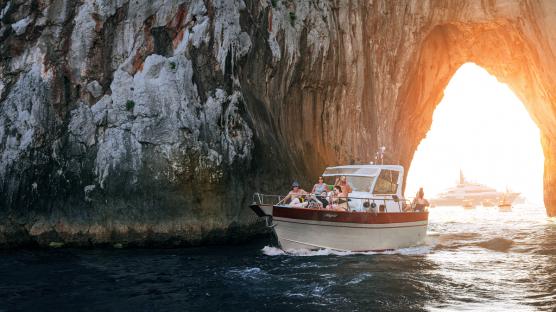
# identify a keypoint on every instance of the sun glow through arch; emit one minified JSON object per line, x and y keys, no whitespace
{"x":482,"y":128}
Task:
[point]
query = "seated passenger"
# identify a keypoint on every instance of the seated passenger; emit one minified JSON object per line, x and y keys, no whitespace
{"x":312,"y":201}
{"x":319,"y":189}
{"x":342,"y":182}
{"x":338,"y":200}
{"x":294,"y":197}
{"x":420,"y":203}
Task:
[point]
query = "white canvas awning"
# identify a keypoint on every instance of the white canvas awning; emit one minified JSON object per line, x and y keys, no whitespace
{"x":351,"y":171}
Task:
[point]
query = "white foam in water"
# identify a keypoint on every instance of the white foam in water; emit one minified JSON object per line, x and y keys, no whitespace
{"x":248,"y":273}
{"x":359,"y":278}
{"x":273,"y":251}
{"x":295,"y":295}
{"x":418,"y":250}
{"x":321,"y":252}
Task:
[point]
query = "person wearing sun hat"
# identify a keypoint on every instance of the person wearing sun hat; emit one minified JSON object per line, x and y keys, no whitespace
{"x":294,"y":196}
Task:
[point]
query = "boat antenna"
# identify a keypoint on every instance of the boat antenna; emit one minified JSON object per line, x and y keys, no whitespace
{"x":380,"y":155}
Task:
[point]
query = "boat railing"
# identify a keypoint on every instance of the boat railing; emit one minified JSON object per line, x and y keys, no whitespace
{"x":375,"y":204}
{"x":267,"y":199}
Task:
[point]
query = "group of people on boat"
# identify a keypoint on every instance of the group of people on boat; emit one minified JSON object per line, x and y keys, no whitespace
{"x":321,"y":196}
{"x":336,"y":197}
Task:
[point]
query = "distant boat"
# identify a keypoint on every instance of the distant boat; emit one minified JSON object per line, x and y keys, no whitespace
{"x":504,"y":205}
{"x":468,"y":204}
{"x":487,"y":203}
{"x":477,"y":194}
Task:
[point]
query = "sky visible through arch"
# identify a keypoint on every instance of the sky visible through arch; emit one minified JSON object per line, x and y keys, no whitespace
{"x":481,"y":127}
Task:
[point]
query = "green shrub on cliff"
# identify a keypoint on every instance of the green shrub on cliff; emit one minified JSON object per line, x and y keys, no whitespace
{"x":292,"y":18}
{"x":129,"y":105}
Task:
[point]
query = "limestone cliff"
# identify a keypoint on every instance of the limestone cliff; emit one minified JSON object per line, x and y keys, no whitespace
{"x":154,"y":121}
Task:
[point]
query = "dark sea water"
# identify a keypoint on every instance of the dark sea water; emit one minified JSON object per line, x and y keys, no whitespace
{"x":481,"y":260}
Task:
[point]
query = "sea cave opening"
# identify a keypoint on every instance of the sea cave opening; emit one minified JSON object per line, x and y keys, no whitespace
{"x":483,"y":129}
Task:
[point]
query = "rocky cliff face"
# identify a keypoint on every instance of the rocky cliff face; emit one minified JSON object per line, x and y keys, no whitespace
{"x":154,"y":121}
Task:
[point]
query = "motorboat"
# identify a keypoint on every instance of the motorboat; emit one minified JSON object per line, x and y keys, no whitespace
{"x":487,"y":203}
{"x":504,"y":205}
{"x":375,"y":217}
{"x":467,"y":204}
{"x":472,"y":192}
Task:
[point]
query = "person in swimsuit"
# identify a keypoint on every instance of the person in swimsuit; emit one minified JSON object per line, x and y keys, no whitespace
{"x":420,"y":203}
{"x":294,"y":196}
{"x":319,"y":190}
{"x":342,"y":182}
{"x":338,"y":200}
{"x":319,"y":187}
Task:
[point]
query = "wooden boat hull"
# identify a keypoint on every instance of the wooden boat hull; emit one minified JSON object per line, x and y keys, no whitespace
{"x":300,"y":228}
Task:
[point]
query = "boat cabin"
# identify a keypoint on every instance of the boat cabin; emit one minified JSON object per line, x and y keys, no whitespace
{"x":378,"y":184}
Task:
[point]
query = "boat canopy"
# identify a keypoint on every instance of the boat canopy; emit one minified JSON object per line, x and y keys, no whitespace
{"x":359,"y":170}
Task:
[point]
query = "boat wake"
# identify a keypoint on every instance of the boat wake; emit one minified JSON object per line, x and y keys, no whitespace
{"x":274,"y":251}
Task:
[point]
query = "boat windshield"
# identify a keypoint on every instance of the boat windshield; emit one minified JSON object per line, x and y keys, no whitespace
{"x":360,"y":184}
{"x":387,"y":182}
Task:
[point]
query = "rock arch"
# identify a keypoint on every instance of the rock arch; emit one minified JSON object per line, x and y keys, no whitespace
{"x":392,"y":61}
{"x":506,"y":52}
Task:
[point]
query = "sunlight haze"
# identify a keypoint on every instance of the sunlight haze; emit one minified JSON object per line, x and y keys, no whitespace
{"x":482,"y":128}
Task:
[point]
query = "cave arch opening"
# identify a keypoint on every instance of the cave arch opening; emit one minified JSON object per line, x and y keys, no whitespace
{"x":481,"y":127}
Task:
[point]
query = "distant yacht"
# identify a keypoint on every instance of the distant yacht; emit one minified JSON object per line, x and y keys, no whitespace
{"x":468,"y":204}
{"x":472,"y":193}
{"x":504,"y":205}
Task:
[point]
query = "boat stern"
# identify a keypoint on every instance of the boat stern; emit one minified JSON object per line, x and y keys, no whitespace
{"x":261,"y":210}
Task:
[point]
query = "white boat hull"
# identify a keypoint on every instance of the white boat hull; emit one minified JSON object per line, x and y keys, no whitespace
{"x":368,"y":232}
{"x":345,"y":237}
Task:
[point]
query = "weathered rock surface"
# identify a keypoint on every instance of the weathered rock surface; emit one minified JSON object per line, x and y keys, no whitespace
{"x":154,"y":121}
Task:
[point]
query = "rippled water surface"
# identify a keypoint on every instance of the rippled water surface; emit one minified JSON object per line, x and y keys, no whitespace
{"x":481,"y":260}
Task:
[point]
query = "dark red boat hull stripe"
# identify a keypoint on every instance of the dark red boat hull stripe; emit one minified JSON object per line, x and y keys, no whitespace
{"x":349,"y":217}
{"x":382,"y":227}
